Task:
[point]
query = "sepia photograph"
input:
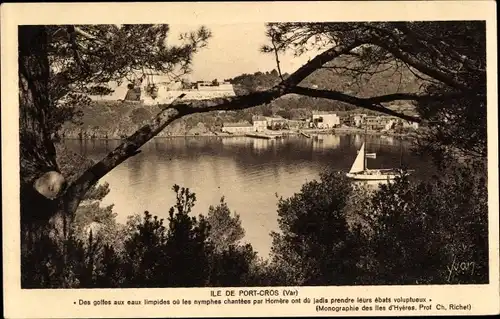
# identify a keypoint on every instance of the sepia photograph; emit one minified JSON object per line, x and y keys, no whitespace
{"x":253,"y":154}
{"x":140,"y":170}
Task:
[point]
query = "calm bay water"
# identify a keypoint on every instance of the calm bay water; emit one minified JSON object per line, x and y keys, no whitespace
{"x":249,"y":173}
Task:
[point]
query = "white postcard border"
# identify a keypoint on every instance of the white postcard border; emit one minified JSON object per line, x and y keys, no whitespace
{"x":61,"y":303}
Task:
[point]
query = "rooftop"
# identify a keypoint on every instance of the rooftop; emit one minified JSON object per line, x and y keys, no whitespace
{"x":258,"y":118}
{"x":324,"y":113}
{"x":343,"y":113}
{"x":238,"y":124}
{"x":274,"y":118}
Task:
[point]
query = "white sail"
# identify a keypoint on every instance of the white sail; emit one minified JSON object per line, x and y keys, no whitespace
{"x":359,"y":162}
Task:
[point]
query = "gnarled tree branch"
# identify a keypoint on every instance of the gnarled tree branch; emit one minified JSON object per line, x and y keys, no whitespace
{"x":130,"y":146}
{"x":132,"y":143}
{"x":372,"y":104}
{"x":426,"y":69}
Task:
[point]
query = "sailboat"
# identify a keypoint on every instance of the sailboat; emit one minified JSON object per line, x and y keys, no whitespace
{"x":360,"y":171}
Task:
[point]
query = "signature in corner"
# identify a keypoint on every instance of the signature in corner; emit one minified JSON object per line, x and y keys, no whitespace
{"x":460,"y":267}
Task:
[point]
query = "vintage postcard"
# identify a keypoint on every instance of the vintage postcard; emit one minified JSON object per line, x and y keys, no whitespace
{"x":249,"y":159}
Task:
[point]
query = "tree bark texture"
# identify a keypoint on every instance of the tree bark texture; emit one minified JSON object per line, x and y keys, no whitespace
{"x":39,"y":214}
{"x":36,"y":147}
{"x":37,"y":152}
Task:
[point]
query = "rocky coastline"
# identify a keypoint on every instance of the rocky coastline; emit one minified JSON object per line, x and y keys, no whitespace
{"x":86,"y":135}
{"x":116,"y":121}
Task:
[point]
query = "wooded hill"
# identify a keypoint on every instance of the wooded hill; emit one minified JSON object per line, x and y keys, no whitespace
{"x":117,"y":119}
{"x":376,"y":81}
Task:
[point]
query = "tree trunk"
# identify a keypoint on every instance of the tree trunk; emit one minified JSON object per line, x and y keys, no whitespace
{"x":37,"y":151}
{"x":36,"y":148}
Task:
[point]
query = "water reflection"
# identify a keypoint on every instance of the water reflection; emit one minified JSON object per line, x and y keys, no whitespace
{"x":260,"y":145}
{"x":358,"y":140}
{"x":322,"y":142}
{"x":237,"y":141}
{"x":248,"y":172}
{"x":389,"y":140}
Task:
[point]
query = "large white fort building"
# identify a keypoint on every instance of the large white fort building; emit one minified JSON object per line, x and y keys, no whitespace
{"x":159,"y":89}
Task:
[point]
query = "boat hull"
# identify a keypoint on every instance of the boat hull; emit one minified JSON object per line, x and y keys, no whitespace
{"x":263,"y":136}
{"x":372,"y":176}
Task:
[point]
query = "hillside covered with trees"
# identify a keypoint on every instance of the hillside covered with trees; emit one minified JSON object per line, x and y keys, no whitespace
{"x":98,"y":118}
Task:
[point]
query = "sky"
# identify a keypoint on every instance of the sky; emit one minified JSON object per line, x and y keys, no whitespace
{"x":234,"y":49}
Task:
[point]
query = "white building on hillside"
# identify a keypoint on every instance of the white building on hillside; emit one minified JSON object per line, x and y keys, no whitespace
{"x":241,"y":127}
{"x":357,"y":119}
{"x":413,"y":125}
{"x":161,"y":89}
{"x":325,"y":119}
{"x":259,"y":123}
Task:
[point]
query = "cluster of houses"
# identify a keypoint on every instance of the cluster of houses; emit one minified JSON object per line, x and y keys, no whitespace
{"x":319,"y":120}
{"x":379,"y":122}
{"x":325,"y":120}
{"x":261,"y":124}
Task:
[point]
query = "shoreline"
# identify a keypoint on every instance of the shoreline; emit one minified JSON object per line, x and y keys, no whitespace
{"x":277,"y":134}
